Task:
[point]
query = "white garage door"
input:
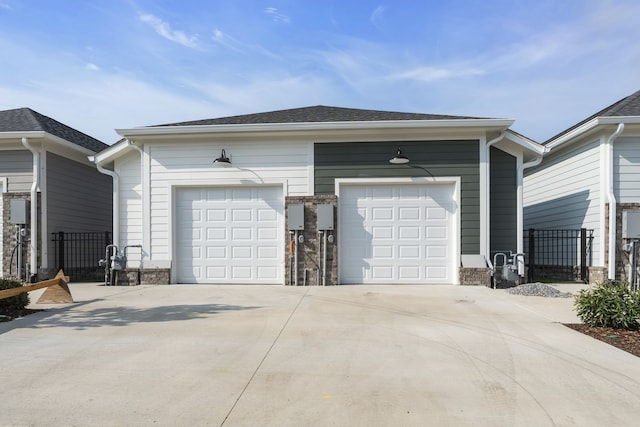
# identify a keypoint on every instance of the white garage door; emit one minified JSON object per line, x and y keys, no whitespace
{"x":397,"y":233}
{"x":230,"y":235}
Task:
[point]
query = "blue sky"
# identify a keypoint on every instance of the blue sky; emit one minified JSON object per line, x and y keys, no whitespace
{"x":105,"y":64}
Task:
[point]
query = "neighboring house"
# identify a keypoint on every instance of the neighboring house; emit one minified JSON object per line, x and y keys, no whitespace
{"x":588,"y":179}
{"x":309,"y":196}
{"x":44,"y":162}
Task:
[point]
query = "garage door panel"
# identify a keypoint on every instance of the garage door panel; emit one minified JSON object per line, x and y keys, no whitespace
{"x":217,"y":233}
{"x":216,"y":273}
{"x":382,"y":272}
{"x":215,"y":252}
{"x":239,"y":215}
{"x":436,"y":213}
{"x":269,"y":234}
{"x":230,"y":235}
{"x":396,"y":233}
{"x":242,"y":234}
{"x":267,"y":252}
{"x":409,"y":233}
{"x":408,"y":214}
{"x":267,"y":215}
{"x":409,"y":252}
{"x":381,"y":252}
{"x":409,"y":273}
{"x":379,"y":232}
{"x":382,"y":214}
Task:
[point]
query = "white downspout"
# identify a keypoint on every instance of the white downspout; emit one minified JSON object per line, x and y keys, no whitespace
{"x":520,"y":208}
{"x":34,"y":205}
{"x":116,"y":201}
{"x":487,"y":213}
{"x":612,"y":202}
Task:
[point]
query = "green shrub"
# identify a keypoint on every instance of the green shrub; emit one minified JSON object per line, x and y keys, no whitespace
{"x":17,"y":302}
{"x":609,"y":305}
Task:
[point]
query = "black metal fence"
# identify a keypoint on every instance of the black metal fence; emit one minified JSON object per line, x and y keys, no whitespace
{"x":558,"y":254}
{"x":78,"y":254}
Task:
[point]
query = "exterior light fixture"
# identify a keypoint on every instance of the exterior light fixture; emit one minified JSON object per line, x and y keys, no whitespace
{"x":223,"y":160}
{"x":399,"y":158}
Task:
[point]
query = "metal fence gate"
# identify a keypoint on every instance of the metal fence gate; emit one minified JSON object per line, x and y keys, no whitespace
{"x":78,"y":254}
{"x":558,"y":254}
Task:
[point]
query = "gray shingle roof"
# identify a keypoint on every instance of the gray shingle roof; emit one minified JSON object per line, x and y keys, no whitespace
{"x":317,"y":114}
{"x":628,"y":106}
{"x":27,"y":120}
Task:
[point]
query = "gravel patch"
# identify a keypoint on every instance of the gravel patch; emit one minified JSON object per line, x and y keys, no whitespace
{"x":538,"y":290}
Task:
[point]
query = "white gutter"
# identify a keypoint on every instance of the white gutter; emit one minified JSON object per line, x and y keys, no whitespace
{"x":590,"y":126}
{"x":34,"y":205}
{"x":308,"y":126}
{"x":612,"y":201}
{"x":116,"y":199}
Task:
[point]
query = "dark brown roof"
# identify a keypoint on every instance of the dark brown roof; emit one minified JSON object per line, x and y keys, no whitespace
{"x":27,"y":120}
{"x":317,"y":114}
{"x":628,"y":106}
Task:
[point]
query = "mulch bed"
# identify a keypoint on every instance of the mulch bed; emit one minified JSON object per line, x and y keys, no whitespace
{"x":623,"y":339}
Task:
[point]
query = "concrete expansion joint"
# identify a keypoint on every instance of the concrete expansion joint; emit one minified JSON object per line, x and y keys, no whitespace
{"x":273,"y":344}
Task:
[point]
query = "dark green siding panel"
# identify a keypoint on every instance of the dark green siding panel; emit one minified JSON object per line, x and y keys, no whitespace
{"x":504,"y":202}
{"x":441,"y":158}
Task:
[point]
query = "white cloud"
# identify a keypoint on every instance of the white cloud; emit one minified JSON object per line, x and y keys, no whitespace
{"x":165,"y":30}
{"x":377,"y":15}
{"x":224,"y":39}
{"x":92,"y":67}
{"x":431,"y":74}
{"x":277,"y":16}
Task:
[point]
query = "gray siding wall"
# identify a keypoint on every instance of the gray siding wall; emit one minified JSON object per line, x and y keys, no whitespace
{"x":79,"y":198}
{"x":441,"y":158}
{"x":17,"y":167}
{"x":503,"y":201}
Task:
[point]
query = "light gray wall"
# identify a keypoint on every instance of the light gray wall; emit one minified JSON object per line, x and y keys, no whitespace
{"x":17,"y":167}
{"x":626,"y":169}
{"x":563,"y":192}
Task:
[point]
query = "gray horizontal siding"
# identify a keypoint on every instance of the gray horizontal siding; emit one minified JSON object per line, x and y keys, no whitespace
{"x":441,"y":158}
{"x":17,"y":167}
{"x":78,"y":198}
{"x":503,"y":201}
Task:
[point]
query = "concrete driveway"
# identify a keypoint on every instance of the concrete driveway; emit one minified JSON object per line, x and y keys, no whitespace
{"x":309,"y":356}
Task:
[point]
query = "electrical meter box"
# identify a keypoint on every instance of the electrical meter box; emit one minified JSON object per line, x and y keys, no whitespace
{"x":630,"y":225}
{"x":295,"y":218}
{"x":19,"y":211}
{"x":325,"y":217}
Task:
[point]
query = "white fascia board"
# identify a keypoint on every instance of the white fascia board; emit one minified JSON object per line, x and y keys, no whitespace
{"x":68,"y":144}
{"x":48,"y":137}
{"x":591,"y":125}
{"x":110,"y":152}
{"x":19,"y":135}
{"x":586,"y":127}
{"x":619,"y":119}
{"x":314,"y":126}
{"x":526,"y":143}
